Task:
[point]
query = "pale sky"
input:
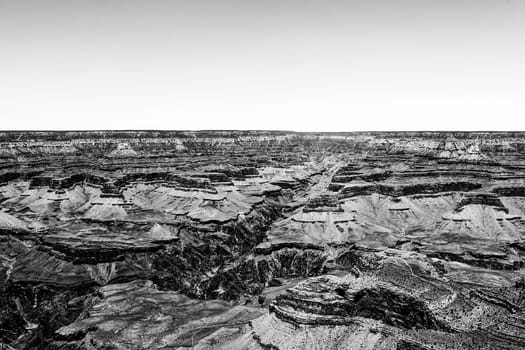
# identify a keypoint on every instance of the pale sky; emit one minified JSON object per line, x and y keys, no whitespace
{"x":305,"y":65}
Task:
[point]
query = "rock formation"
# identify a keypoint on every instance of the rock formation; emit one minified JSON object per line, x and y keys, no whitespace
{"x":262,"y":240}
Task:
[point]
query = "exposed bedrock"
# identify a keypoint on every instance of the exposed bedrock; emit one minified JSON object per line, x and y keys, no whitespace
{"x":344,"y":176}
{"x":493,"y":261}
{"x":81,"y":251}
{"x":184,"y":265}
{"x":394,"y":308}
{"x":349,"y":191}
{"x":323,"y":203}
{"x":515,"y":191}
{"x":137,"y":315}
{"x":31,"y":314}
{"x":253,"y":273}
{"x":262,"y":240}
{"x":408,"y":345}
{"x":269,"y":265}
{"x":487,"y":199}
{"x":356,"y":261}
{"x":332,"y":301}
{"x":198,"y":227}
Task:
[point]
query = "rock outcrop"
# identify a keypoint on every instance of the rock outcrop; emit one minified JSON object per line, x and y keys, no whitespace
{"x":262,"y":240}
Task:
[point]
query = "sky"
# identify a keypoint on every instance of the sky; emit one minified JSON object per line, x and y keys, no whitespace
{"x":304,"y":65}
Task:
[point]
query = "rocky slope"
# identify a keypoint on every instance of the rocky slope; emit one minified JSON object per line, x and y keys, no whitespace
{"x":262,"y":240}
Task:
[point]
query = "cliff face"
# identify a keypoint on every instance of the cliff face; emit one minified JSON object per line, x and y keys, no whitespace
{"x":261,"y":240}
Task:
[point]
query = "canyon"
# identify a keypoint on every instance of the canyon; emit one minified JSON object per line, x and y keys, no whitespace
{"x":262,"y":240}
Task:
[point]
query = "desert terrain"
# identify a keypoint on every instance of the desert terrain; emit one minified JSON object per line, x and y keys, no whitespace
{"x":262,"y":240}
